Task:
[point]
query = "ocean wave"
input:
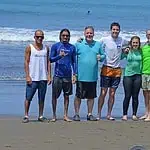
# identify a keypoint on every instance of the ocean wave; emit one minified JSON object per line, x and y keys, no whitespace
{"x":10,"y":78}
{"x":26,"y":35}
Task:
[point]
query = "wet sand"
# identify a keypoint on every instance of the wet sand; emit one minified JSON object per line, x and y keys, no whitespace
{"x":101,"y":135}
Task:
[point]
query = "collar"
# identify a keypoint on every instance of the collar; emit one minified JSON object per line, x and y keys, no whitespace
{"x":92,"y":44}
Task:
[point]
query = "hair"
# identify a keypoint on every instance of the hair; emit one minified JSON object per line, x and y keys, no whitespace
{"x":147,"y":30}
{"x":38,"y":31}
{"x":89,"y":27}
{"x":135,"y":37}
{"x":115,"y":24}
{"x":64,"y":30}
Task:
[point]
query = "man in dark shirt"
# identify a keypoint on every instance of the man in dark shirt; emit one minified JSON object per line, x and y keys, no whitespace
{"x":64,"y":55}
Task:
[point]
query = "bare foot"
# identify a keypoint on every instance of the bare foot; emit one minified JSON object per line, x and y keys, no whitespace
{"x":124,"y":118}
{"x":143,"y":117}
{"x":67,"y":119}
{"x":147,"y":119}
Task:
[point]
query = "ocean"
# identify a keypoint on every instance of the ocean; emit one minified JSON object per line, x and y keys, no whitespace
{"x":19,"y":20}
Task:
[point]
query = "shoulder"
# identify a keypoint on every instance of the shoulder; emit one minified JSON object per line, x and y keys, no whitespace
{"x":79,"y":44}
{"x":104,"y":39}
{"x":124,"y":41}
{"x":71,"y":46}
{"x":97,"y":43}
{"x":28,"y":48}
{"x":56,"y":45}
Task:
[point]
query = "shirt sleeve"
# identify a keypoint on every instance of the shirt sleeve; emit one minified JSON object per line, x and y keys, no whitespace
{"x":102,"y":53}
{"x":74,"y":64}
{"x":53,"y":56}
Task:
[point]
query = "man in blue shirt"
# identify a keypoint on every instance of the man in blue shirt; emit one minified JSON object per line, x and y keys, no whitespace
{"x":88,"y":54}
{"x":64,"y":55}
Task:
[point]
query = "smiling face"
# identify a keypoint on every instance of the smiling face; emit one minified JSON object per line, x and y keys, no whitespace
{"x":89,"y":34}
{"x":115,"y":30}
{"x":135,"y":43}
{"x":39,"y":36}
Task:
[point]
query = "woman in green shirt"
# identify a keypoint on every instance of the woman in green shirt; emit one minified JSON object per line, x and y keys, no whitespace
{"x":132,"y":77}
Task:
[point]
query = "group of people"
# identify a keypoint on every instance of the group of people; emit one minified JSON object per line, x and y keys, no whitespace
{"x":78,"y":64}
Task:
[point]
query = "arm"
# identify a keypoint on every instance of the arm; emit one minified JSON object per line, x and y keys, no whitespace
{"x":123,"y":55}
{"x":26,"y":64}
{"x":74,"y":60}
{"x":53,"y":57}
{"x":49,"y":78}
{"x":102,"y":54}
{"x":74,"y":65}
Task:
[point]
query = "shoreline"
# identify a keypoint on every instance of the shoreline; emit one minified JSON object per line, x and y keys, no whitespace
{"x":13,"y":94}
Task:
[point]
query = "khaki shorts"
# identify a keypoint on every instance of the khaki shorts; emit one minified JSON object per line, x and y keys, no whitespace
{"x":145,"y":82}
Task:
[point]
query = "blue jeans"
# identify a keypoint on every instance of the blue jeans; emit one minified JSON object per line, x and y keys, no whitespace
{"x":132,"y":85}
{"x":41,"y":86}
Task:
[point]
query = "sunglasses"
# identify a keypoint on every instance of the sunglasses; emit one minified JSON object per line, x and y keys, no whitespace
{"x":67,"y":35}
{"x":42,"y":37}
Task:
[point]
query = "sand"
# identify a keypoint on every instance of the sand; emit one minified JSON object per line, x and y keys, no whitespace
{"x":101,"y":135}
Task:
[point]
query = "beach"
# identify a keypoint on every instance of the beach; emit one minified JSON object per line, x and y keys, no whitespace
{"x":84,"y":135}
{"x":101,"y":135}
{"x":19,"y":20}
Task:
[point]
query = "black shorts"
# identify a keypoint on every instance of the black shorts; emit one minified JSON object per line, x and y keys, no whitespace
{"x":86,"y":90}
{"x":60,"y":84}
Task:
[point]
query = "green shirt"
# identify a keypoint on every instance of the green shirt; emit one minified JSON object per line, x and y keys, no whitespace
{"x":146,"y":59}
{"x":134,"y":62}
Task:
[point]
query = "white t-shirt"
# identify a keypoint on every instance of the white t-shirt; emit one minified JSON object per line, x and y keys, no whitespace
{"x":113,"y":49}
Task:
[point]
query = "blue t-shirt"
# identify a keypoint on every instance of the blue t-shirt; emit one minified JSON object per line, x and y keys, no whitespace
{"x":63,"y":65}
{"x":87,"y":63}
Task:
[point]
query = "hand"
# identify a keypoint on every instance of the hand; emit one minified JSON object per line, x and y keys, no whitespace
{"x":74,"y":79}
{"x":62,"y":53}
{"x":126,"y":50}
{"x":80,"y":40}
{"x":49,"y":80}
{"x":98,"y":57}
{"x":28,"y":80}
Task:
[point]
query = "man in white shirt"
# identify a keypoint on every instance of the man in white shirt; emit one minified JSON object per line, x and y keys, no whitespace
{"x":111,"y":71}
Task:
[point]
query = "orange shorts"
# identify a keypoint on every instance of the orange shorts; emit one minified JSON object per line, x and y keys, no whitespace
{"x":111,"y":72}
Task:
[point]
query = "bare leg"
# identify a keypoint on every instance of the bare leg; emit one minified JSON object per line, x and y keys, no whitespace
{"x":66,"y":104}
{"x":27,"y":106}
{"x":146,"y":99}
{"x":101,"y":100}
{"x":90,"y":104}
{"x":111,"y":102}
{"x":77,"y":103}
{"x":41,"y":108}
{"x":148,"y":106}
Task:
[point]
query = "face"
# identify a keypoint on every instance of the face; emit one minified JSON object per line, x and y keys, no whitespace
{"x":65,"y":37}
{"x":89,"y":34}
{"x":115,"y":31}
{"x":148,"y":35}
{"x":135,"y":43}
{"x":39,"y":36}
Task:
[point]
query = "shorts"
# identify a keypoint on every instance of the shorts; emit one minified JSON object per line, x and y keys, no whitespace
{"x":41,"y":86}
{"x":145,"y":82}
{"x":110,"y":71}
{"x":86,"y":90}
{"x":109,"y":82}
{"x":60,"y":84}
